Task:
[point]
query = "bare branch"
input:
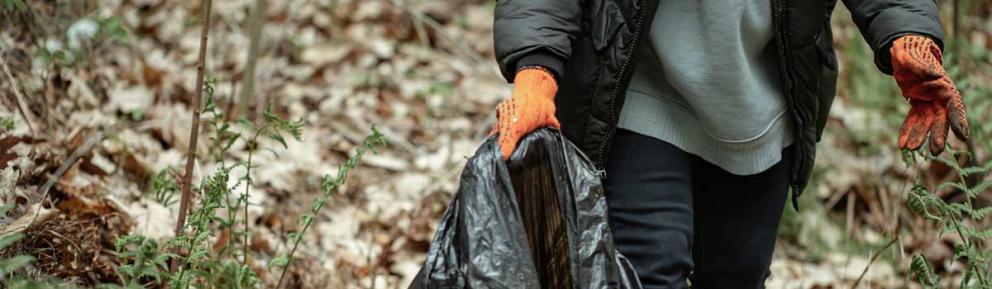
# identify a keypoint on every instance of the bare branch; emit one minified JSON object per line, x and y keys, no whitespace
{"x":18,"y":97}
{"x":195,"y":109}
{"x":257,"y":21}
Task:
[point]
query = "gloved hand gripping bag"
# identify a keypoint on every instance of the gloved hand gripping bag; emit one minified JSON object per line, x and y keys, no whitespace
{"x":538,"y":220}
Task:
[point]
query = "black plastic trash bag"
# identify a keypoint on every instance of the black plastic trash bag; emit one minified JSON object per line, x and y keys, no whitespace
{"x":536,"y":221}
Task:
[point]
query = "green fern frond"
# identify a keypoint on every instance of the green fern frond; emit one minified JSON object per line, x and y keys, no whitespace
{"x":978,"y":189}
{"x":923,"y":270}
{"x":982,"y":213}
{"x":9,"y":239}
{"x":975,"y":170}
{"x":918,"y":201}
{"x":981,"y":234}
{"x":14,"y":263}
{"x":955,"y":185}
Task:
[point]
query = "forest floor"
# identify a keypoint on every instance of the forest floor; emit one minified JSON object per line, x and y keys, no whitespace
{"x":96,"y":117}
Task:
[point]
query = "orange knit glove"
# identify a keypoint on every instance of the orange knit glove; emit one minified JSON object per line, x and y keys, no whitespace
{"x":935,"y":102}
{"x":531,"y":107}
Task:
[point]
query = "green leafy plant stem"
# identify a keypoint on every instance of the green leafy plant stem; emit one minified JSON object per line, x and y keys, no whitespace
{"x":926,"y":204}
{"x":329,"y":185}
{"x":244,"y":197}
{"x":968,"y":246}
{"x":957,"y":223}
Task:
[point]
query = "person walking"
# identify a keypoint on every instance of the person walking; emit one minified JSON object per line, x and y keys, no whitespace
{"x":703,"y":115}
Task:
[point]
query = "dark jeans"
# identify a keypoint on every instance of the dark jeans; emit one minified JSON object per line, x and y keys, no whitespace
{"x":678,"y":217}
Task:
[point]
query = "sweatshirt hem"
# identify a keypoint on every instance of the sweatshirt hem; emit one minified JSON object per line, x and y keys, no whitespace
{"x":673,"y":124}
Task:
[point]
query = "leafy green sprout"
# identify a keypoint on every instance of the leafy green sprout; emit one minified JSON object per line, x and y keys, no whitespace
{"x":163,"y":187}
{"x":145,"y":262}
{"x":7,"y":123}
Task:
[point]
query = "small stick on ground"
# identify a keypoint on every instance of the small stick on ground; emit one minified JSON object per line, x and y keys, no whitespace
{"x":872,"y":260}
{"x":194,"y":131}
{"x":71,"y":160}
{"x":18,"y":97}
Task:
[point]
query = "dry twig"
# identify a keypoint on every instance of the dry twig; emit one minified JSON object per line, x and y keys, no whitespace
{"x":45,"y":189}
{"x":195,"y":109}
{"x":872,"y":260}
{"x":18,"y":97}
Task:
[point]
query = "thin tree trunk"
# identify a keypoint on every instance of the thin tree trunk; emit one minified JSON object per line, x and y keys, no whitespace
{"x":257,"y":21}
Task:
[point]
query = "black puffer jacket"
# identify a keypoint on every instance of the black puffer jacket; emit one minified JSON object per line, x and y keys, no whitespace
{"x":589,"y":45}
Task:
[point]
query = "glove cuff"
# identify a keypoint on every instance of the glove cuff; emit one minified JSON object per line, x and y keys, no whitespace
{"x":536,"y":81}
{"x":918,"y":45}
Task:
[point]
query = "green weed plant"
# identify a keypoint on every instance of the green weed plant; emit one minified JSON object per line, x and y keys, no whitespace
{"x":222,"y":211}
{"x":963,"y":219}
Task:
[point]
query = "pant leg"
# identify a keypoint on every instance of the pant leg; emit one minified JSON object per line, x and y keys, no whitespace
{"x":649,"y":195}
{"x":736,"y":223}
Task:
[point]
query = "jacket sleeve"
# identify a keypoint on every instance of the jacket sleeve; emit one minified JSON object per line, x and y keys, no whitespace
{"x":535,"y":32}
{"x":882,"y":21}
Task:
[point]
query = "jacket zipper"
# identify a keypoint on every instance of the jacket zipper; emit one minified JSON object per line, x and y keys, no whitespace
{"x":798,"y":126}
{"x":635,"y":44}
